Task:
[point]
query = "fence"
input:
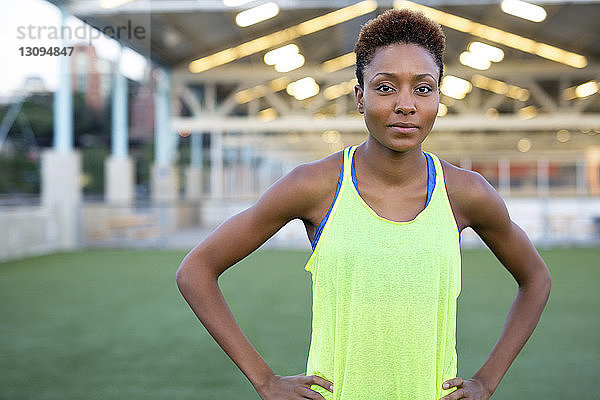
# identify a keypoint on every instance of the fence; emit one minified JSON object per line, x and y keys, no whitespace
{"x":31,"y":230}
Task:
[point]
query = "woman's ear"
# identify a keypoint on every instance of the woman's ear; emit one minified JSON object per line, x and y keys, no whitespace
{"x":358,"y":93}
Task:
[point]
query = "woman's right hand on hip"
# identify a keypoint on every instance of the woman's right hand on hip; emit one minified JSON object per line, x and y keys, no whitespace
{"x":294,"y":387}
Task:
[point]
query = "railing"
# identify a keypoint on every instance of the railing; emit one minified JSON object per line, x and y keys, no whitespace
{"x":27,"y":230}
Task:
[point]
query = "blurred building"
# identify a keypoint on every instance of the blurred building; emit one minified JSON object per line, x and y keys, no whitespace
{"x":91,"y":76}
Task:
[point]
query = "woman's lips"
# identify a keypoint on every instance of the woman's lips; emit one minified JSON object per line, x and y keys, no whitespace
{"x":403,"y":129}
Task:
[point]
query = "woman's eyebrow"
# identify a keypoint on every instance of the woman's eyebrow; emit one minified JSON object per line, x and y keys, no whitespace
{"x":414,"y":77}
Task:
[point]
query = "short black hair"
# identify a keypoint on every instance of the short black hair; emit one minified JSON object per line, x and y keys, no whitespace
{"x":399,"y":26}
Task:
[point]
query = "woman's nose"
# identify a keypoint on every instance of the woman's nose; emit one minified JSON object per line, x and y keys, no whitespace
{"x":404,"y":105}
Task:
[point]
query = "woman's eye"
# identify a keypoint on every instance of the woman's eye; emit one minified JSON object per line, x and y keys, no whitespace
{"x":427,"y":89}
{"x":384,"y":88}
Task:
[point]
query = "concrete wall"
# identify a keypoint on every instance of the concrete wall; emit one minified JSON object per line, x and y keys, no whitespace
{"x":28,"y":231}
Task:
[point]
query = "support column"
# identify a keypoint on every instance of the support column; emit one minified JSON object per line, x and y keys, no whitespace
{"x":581,"y":185}
{"x":543,"y":192}
{"x":542,"y":177}
{"x":165,"y":186}
{"x":193,"y":173}
{"x":119,"y":169}
{"x":61,"y":166}
{"x":592,"y":169}
{"x":247,"y":172}
{"x":264,"y":170}
{"x":216,"y":164}
{"x":504,"y":176}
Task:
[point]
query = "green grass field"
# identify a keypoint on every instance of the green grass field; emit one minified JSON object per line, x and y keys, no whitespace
{"x":112,"y":325}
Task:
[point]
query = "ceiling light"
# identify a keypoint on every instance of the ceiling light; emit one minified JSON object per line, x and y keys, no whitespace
{"x":279,"y":84}
{"x":442,"y":110}
{"x":339,"y":90}
{"x":517,"y":93}
{"x":455,"y":87}
{"x":496,"y":35}
{"x":247,"y":95}
{"x":331,"y":136}
{"x":341,"y":62}
{"x":483,"y":50}
{"x":275,"y":56}
{"x":303,"y":88}
{"x":499,"y":87}
{"x":524,"y":10}
{"x":471,"y":60}
{"x":282,"y":36}
{"x":524,"y":145}
{"x":527,"y":112}
{"x":586,"y":89}
{"x":235,"y":3}
{"x":290,"y":63}
{"x":491,"y":113}
{"x":563,"y":135}
{"x":268,"y":114}
{"x":257,"y":14}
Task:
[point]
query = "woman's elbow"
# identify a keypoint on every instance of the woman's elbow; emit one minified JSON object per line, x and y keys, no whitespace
{"x":192,"y":271}
{"x":542,"y":282}
{"x":186,"y":273}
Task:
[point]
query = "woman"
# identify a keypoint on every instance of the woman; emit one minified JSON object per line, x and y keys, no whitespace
{"x":384,"y":219}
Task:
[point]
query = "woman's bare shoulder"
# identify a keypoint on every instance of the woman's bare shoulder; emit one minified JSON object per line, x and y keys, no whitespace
{"x":321,"y":173}
{"x":469,"y":194}
{"x":303,"y":191}
{"x":318,"y":179}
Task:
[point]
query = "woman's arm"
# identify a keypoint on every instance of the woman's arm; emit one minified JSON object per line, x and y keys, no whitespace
{"x":484,"y":211}
{"x":197,"y":278}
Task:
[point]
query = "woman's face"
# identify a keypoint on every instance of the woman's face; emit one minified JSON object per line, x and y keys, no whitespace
{"x":400,"y":97}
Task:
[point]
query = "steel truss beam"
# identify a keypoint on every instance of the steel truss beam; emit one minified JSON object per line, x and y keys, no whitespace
{"x":544,"y":81}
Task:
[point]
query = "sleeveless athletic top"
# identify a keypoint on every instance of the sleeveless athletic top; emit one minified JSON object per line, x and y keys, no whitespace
{"x":384,"y":296}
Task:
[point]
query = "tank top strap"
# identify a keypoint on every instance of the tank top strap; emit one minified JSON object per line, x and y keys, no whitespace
{"x":436,"y":176}
{"x":349,"y":174}
{"x":344,"y":176}
{"x":440,"y":184}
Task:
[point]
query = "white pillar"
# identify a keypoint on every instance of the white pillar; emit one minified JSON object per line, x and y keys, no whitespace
{"x":193,"y":173}
{"x":165,"y":185}
{"x":581,"y":185}
{"x":592,"y":169}
{"x":61,"y":166}
{"x":504,"y":176}
{"x":216,"y":164}
{"x":542,"y":177}
{"x":61,"y":192}
{"x":119,"y":177}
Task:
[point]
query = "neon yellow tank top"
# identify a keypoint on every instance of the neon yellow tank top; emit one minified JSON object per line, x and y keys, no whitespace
{"x":384,"y":296}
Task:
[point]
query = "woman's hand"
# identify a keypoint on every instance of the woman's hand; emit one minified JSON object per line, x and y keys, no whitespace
{"x":293,"y":387}
{"x":469,"y":389}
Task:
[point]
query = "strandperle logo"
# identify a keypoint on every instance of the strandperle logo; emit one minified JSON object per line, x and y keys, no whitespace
{"x":85,"y":31}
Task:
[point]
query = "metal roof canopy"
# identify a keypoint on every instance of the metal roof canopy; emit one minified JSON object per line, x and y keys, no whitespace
{"x":180,"y":31}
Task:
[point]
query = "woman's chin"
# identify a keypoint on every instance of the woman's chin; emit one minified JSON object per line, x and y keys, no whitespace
{"x":399,"y":144}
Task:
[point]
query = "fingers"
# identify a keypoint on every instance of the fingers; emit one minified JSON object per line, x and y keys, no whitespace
{"x":454,"y":382}
{"x":450,"y":383}
{"x":457,"y":394}
{"x":317,"y":380}
{"x":309,"y":394}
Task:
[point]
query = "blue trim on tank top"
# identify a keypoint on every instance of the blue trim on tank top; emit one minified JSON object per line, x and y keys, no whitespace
{"x":322,"y":224}
{"x":431,"y":176}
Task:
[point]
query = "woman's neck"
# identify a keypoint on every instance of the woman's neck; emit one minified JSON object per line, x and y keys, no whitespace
{"x":389,"y":167}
